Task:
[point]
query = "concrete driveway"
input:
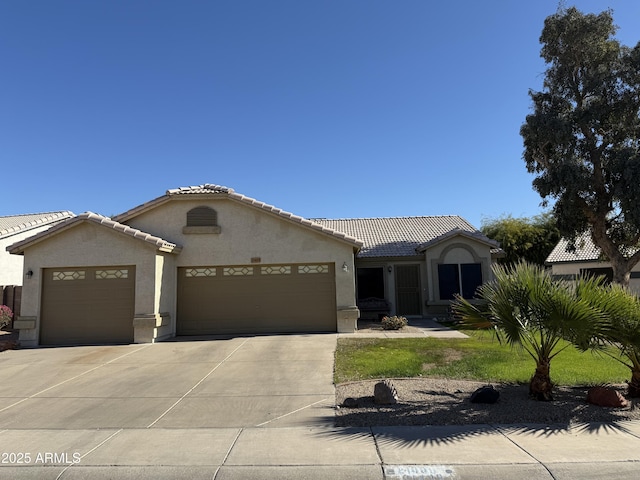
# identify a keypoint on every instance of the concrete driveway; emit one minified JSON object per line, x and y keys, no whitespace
{"x":234,"y":382}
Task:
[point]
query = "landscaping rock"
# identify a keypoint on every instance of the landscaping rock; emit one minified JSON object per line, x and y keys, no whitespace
{"x":486,"y":394}
{"x":606,"y":397}
{"x":350,"y":402}
{"x":384,"y":393}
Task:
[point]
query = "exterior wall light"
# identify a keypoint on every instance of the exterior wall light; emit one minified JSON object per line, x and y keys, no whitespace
{"x":29,"y":274}
{"x":389,"y":269}
{"x":345,"y":267}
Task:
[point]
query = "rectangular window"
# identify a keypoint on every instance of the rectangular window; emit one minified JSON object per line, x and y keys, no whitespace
{"x":607,"y":273}
{"x":370,"y":282}
{"x":448,"y":280}
{"x":456,"y":278}
{"x":471,"y":276}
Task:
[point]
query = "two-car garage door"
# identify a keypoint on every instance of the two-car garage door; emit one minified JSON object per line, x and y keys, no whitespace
{"x":256,"y":299}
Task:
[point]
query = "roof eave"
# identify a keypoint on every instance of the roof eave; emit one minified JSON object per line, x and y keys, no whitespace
{"x":357,"y":244}
{"x":160,"y":244}
{"x":477,"y":237}
{"x":144,"y":207}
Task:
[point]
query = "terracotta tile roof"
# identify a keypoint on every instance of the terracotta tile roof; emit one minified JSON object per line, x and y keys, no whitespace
{"x":13,"y":224}
{"x":586,"y":251}
{"x":210,"y":189}
{"x":402,"y":236}
{"x":159,"y":243}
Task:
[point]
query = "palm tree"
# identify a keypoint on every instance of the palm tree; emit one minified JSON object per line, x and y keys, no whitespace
{"x":529,"y":309}
{"x":619,"y":326}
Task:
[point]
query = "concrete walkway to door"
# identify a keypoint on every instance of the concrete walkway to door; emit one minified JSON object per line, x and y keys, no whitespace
{"x":416,"y":328}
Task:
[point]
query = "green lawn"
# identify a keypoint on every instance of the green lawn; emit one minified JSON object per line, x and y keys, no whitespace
{"x":480,"y":358}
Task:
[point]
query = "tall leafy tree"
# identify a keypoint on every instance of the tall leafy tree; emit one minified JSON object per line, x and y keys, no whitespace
{"x":582,"y":140}
{"x":523,"y":239}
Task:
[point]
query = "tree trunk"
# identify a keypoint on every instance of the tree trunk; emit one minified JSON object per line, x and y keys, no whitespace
{"x":620,"y":264}
{"x":621,"y":271}
{"x":633,"y":389}
{"x":540,"y":385}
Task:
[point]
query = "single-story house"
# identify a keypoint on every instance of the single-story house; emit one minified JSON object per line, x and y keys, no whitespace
{"x":585,"y":259}
{"x":15,"y":228}
{"x":206,"y":260}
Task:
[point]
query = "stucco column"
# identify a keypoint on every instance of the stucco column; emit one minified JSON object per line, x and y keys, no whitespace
{"x":348,"y":319}
{"x":151,"y":328}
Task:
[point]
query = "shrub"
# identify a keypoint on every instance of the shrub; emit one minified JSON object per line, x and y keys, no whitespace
{"x":5,"y":316}
{"x":394,"y":323}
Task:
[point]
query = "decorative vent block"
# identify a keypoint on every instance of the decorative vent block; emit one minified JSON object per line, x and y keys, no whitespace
{"x":200,"y":272}
{"x":111,"y":274}
{"x":69,"y":275}
{"x":313,"y":268}
{"x":276,"y":270}
{"x":237,"y":271}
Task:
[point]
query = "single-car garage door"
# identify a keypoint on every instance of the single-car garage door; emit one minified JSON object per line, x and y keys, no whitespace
{"x":256,"y":299}
{"x":87,"y":305}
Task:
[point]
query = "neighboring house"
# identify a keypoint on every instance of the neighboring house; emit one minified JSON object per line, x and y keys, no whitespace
{"x":586,"y":259}
{"x":15,"y":228}
{"x":206,"y":260}
{"x":417,"y":264}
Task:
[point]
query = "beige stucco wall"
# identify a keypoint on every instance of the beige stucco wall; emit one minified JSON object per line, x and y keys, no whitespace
{"x":88,"y":244}
{"x":458,"y":249}
{"x":249,"y":235}
{"x":11,"y":272}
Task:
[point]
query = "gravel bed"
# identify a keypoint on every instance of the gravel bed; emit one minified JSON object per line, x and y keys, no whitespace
{"x":432,"y":401}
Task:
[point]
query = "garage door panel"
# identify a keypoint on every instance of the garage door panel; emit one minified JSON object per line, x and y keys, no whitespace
{"x":87,"y":305}
{"x":256,"y":299}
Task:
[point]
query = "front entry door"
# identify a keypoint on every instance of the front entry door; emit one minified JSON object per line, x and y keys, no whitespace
{"x":408,"y":290}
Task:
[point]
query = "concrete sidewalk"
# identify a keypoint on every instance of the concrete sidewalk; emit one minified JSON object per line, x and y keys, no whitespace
{"x":593,"y":451}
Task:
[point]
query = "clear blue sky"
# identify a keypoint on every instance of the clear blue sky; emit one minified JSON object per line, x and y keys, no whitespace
{"x":325,"y":108}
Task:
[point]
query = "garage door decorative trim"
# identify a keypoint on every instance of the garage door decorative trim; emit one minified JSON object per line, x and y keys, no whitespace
{"x":68,"y":275}
{"x":276,"y":270}
{"x":200,"y":272}
{"x":323,"y":268}
{"x":111,"y":274}
{"x":237,"y":271}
